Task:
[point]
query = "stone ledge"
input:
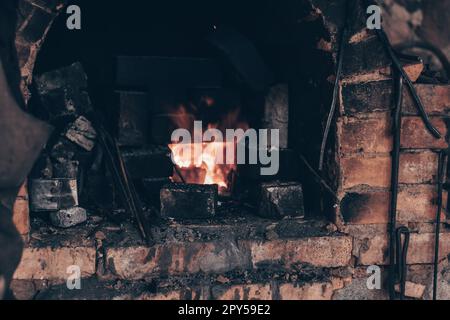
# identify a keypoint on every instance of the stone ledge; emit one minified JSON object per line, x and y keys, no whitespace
{"x":218,"y":229}
{"x":180,"y":249}
{"x":321,"y":251}
{"x":208,"y":257}
{"x":218,"y":257}
{"x":52,"y":263}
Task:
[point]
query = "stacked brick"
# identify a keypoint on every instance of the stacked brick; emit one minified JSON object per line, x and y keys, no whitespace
{"x":360,"y":161}
{"x":59,"y":174}
{"x":364,"y":140}
{"x":364,"y":144}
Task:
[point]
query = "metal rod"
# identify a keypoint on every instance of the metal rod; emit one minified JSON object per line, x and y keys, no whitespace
{"x":399,"y":73}
{"x":318,"y":178}
{"x":340,"y":59}
{"x":402,"y":254}
{"x":396,"y":129}
{"x":120,"y":177}
{"x":396,"y":63}
{"x":178,"y":172}
{"x":431,"y":48}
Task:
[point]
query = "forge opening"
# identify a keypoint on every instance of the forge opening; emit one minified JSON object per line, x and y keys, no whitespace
{"x":152,"y":70}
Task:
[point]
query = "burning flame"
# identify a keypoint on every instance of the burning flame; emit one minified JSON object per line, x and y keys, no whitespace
{"x":204,"y":163}
{"x":199,"y":163}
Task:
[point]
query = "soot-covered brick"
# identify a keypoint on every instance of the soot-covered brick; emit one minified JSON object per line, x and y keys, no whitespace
{"x":187,"y":201}
{"x":281,"y":199}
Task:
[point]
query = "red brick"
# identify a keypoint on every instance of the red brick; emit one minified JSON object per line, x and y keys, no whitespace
{"x":164,"y":293}
{"x":375,"y":171}
{"x":243,"y":292}
{"x":413,"y":70}
{"x":421,"y":249}
{"x":23,"y":289}
{"x":412,"y":290}
{"x":377,"y":96}
{"x":319,"y":251}
{"x":313,"y":291}
{"x":374,"y":135}
{"x":51,"y":263}
{"x":418,"y":203}
{"x":416,"y":136}
{"x":435,"y":98}
{"x":171,"y":295}
{"x":415,"y":204}
{"x":286,"y":291}
{"x":139,"y":262}
{"x":418,"y":167}
{"x":366,"y":97}
{"x":373,"y":250}
{"x":176,"y":258}
{"x":359,"y":170}
{"x":365,"y":207}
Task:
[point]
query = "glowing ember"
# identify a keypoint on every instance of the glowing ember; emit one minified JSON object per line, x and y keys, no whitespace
{"x":205,"y":163}
{"x":201,"y":163}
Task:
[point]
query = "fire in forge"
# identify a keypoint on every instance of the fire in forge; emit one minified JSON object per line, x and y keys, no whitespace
{"x":202,"y":151}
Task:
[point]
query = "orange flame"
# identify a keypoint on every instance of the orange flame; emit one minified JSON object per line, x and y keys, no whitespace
{"x":204,"y":167}
{"x":205,"y":163}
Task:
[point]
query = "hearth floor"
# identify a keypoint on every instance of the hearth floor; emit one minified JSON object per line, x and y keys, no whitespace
{"x":187,"y":261}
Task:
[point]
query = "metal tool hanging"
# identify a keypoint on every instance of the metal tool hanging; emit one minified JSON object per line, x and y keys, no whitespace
{"x":397,"y":66}
{"x":340,"y":59}
{"x":401,"y":263}
{"x":121,"y":178}
{"x":401,"y":77}
{"x":396,"y":132}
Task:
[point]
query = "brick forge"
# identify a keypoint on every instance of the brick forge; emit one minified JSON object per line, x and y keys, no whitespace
{"x":363,"y":159}
{"x":256,"y":258}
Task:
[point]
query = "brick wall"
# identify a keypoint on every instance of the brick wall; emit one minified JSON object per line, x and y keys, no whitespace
{"x":364,"y":143}
{"x":361,"y":160}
